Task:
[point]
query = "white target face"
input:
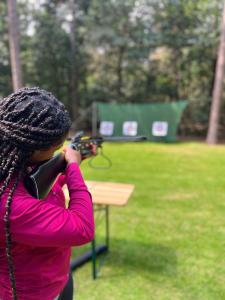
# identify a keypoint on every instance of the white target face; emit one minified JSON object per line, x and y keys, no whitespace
{"x":130,"y":128}
{"x":159,"y":128}
{"x":106,"y":128}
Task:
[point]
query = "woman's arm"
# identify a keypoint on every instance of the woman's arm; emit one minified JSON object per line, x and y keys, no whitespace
{"x":40,"y":223}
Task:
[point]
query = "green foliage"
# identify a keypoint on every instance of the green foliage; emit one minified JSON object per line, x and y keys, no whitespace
{"x":121,"y":39}
{"x":136,"y":51}
{"x":48,"y":55}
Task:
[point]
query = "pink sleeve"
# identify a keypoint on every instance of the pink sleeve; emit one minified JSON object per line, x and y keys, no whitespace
{"x":39,"y":223}
{"x":61,"y":180}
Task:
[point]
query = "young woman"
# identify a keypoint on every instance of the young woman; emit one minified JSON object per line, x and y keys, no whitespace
{"x":36,"y":236}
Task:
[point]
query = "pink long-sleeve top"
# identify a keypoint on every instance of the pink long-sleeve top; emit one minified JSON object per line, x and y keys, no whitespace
{"x":43,"y":232}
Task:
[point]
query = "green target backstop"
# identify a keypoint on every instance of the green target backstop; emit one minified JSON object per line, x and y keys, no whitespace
{"x":156,"y":121}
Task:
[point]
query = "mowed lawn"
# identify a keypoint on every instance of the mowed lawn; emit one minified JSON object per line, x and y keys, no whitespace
{"x":168,"y":243}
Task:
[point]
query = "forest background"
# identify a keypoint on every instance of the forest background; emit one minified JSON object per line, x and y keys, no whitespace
{"x":119,"y":51}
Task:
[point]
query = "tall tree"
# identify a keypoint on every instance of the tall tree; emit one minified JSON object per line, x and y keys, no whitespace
{"x":73,"y":86}
{"x":13,"y":24}
{"x":212,"y":135}
{"x":5,"y":73}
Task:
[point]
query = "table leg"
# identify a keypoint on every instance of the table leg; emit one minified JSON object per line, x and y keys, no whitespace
{"x":93,"y":245}
{"x":107,"y":226}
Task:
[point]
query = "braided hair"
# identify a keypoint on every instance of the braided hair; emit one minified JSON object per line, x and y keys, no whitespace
{"x":30,"y":119}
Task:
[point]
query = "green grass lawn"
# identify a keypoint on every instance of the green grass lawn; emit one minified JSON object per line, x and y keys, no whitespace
{"x":168,"y":243}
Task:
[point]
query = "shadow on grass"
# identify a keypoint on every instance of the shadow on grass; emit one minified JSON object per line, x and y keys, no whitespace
{"x":135,"y":256}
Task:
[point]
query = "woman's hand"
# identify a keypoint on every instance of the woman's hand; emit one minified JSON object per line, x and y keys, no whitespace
{"x":71,"y":155}
{"x":75,"y":156}
{"x":94,"y":150}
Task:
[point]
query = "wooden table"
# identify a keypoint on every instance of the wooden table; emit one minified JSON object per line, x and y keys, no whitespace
{"x":103,"y":194}
{"x":110,"y":193}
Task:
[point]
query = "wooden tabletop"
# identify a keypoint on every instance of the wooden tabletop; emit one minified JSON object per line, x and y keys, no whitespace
{"x":108,"y":193}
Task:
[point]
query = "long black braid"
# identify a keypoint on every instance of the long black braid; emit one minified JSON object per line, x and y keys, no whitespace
{"x":30,"y":119}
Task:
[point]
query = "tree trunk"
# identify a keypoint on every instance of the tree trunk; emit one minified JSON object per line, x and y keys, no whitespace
{"x":74,"y":98}
{"x":13,"y":24}
{"x":212,"y":135}
{"x":119,"y":71}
